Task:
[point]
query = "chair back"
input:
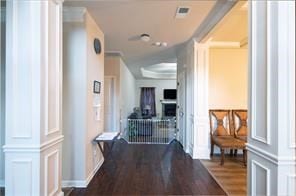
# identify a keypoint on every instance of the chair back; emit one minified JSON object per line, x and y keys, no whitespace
{"x":220,"y":122}
{"x":240,"y":122}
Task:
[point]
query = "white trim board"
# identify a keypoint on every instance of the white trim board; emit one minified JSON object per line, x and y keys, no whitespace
{"x":277,"y":160}
{"x":33,"y":148}
{"x":83,"y":183}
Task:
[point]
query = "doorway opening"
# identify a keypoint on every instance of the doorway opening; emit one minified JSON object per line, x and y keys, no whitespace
{"x":228,"y":97}
{"x":110,"y":106}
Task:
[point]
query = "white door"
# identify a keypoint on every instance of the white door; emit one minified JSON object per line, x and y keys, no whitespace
{"x":181,"y":108}
{"x":109,"y":103}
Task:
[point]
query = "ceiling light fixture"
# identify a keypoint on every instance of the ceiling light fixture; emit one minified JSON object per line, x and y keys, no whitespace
{"x":145,"y":37}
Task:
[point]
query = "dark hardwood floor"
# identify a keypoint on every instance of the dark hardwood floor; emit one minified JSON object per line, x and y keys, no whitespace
{"x":151,"y":170}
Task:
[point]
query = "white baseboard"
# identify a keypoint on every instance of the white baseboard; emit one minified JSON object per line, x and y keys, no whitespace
{"x":61,"y":193}
{"x":189,"y":150}
{"x":2,"y":183}
{"x":92,"y":174}
{"x":201,"y":153}
{"x":83,"y":183}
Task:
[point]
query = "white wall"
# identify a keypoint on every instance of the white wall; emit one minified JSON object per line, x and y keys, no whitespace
{"x":228,"y":83}
{"x":82,"y":66}
{"x":2,"y":95}
{"x":125,"y":86}
{"x":159,"y":86}
{"x":127,"y":91}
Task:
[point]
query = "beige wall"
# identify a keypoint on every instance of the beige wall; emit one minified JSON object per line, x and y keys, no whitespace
{"x":228,"y":73}
{"x":95,"y":71}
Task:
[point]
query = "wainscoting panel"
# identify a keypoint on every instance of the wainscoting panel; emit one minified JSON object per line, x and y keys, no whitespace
{"x":19,"y":72}
{"x":53,"y":70}
{"x":260,"y":174}
{"x":271,"y":145}
{"x":22,"y":176}
{"x":51,"y":173}
{"x":260,"y":72}
{"x":33,"y":97}
{"x":291,"y":189}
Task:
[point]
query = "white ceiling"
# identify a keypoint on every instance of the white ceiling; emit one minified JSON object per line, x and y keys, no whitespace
{"x":233,"y":27}
{"x":123,"y":21}
{"x":160,"y":71}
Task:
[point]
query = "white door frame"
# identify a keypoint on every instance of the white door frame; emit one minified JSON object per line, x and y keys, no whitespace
{"x":115,"y":100}
{"x":183,"y":112}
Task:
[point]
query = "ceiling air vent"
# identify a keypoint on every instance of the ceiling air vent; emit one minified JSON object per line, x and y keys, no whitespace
{"x":182,"y":12}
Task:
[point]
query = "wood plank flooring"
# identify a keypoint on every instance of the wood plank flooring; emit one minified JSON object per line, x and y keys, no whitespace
{"x":232,"y":176}
{"x":151,"y":170}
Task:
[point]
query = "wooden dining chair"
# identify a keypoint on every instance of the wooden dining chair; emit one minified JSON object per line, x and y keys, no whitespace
{"x":221,"y":136}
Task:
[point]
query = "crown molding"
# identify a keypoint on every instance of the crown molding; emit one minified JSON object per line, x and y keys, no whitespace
{"x":114,"y":53}
{"x":74,"y":14}
{"x":213,"y":44}
{"x":244,"y":42}
{"x":217,"y":13}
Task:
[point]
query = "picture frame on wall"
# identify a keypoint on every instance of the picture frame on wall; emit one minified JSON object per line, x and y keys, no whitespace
{"x":97,"y":87}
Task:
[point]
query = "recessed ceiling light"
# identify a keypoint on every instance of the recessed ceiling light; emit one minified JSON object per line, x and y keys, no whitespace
{"x":145,"y":37}
{"x":164,"y":44}
{"x":157,"y":44}
{"x":160,"y":44}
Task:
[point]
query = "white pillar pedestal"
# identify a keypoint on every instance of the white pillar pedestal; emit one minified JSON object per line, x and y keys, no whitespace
{"x":271,"y":142}
{"x":33,"y":98}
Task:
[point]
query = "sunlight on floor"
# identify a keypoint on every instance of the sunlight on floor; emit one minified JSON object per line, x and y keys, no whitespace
{"x":232,"y":176}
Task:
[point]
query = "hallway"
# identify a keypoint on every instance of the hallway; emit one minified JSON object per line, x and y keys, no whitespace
{"x":151,"y":170}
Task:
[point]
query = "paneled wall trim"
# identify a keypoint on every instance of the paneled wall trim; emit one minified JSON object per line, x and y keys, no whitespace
{"x":201,"y":128}
{"x":271,"y":144}
{"x":33,"y":134}
{"x":277,"y":160}
{"x":257,"y":182}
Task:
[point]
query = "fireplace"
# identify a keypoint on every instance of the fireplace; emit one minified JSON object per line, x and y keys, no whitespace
{"x":169,"y":110}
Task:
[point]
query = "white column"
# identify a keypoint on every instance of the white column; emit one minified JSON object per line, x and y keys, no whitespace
{"x":33,"y":98}
{"x":271,"y":142}
{"x":200,"y":102}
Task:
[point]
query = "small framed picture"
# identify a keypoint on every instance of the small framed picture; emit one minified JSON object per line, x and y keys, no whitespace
{"x":97,"y":87}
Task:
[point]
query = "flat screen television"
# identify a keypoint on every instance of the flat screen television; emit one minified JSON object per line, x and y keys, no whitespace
{"x":170,"y":93}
